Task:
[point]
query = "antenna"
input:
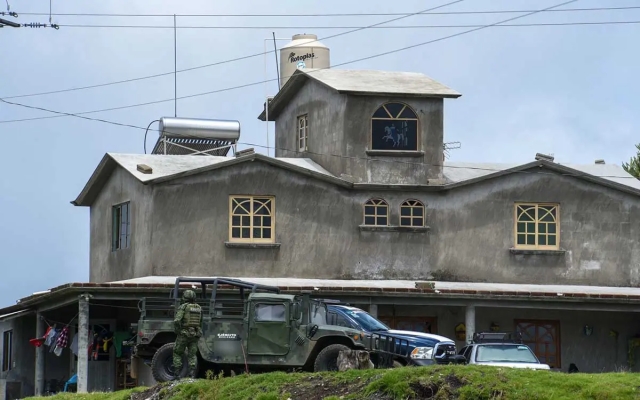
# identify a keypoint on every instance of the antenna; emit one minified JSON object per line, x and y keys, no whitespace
{"x":266,"y":96}
{"x":450,"y":146}
{"x":175,"y":68}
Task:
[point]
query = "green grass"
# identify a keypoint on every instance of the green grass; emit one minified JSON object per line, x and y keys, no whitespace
{"x":448,"y":382}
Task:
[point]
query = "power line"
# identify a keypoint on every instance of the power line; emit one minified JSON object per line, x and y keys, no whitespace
{"x":319,"y":154}
{"x":330,"y":14}
{"x":271,"y":80}
{"x":231,"y":60}
{"x":346,"y":27}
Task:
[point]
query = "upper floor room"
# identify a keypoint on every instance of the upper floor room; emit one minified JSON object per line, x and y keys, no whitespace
{"x":345,"y":119}
{"x":540,"y":222}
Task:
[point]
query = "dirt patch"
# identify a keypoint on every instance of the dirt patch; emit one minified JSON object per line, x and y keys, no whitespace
{"x":159,"y":391}
{"x":424,"y":391}
{"x":318,"y":388}
{"x":453,"y":382}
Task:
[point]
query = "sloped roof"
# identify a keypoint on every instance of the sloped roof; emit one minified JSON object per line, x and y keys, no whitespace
{"x":361,"y":82}
{"x":457,"y":173}
{"x":166,"y":167}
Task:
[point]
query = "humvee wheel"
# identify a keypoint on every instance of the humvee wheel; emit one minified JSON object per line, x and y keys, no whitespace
{"x":162,"y":364}
{"x":327,"y":359}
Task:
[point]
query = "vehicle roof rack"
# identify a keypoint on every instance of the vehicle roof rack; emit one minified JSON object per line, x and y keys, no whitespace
{"x":497,"y":337}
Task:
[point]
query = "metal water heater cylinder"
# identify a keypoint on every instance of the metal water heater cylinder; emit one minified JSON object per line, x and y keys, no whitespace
{"x":199,"y":128}
{"x":304,"y":51}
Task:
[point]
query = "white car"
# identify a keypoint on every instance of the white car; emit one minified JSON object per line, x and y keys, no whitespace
{"x":501,"y":354}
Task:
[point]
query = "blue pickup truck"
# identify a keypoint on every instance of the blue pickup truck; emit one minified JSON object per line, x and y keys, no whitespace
{"x":411,"y":348}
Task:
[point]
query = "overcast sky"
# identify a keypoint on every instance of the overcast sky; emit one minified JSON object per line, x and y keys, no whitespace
{"x":566,"y":90}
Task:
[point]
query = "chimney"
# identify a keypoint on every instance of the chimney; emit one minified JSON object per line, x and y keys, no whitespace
{"x":544,"y":157}
{"x":600,"y":161}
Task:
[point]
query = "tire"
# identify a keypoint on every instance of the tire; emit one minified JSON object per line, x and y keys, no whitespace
{"x":162,"y":364}
{"x":327,"y":359}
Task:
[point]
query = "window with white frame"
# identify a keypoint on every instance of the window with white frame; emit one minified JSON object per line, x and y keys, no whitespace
{"x":303,"y":132}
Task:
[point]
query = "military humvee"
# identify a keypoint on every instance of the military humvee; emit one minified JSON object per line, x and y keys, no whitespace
{"x":253,"y":328}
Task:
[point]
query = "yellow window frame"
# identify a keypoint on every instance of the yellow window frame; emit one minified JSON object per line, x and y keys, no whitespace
{"x":536,"y":225}
{"x":250,"y":214}
{"x":412,"y":205}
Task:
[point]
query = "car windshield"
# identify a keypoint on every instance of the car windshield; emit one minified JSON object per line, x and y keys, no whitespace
{"x":505,"y":353}
{"x":366,"y":321}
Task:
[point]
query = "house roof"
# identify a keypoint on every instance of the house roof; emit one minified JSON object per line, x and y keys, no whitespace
{"x":456,"y":174}
{"x":611,"y":175}
{"x":433,"y":289}
{"x":166,"y":167}
{"x":360,"y":82}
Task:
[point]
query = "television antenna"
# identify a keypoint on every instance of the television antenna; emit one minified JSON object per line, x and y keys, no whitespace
{"x":447,"y":146}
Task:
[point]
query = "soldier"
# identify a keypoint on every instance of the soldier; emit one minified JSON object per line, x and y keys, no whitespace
{"x":188,"y":328}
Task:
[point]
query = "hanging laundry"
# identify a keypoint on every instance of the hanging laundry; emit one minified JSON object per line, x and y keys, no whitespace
{"x":37,"y":342}
{"x":118,"y":338}
{"x":63,"y":339}
{"x":51,"y":334}
{"x":74,"y":345}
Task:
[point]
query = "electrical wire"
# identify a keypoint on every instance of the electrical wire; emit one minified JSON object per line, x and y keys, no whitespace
{"x":275,"y":79}
{"x":244,"y":27}
{"x":230,"y":60}
{"x":325,"y":154}
{"x":329,"y":14}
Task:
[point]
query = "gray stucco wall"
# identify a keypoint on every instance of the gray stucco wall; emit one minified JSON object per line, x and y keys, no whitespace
{"x":106,"y":265}
{"x":24,"y":367}
{"x":340,"y":135}
{"x":317,"y":225}
{"x":599,"y":352}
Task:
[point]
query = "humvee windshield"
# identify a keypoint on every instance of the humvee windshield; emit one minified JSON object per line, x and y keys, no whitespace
{"x":318,"y":315}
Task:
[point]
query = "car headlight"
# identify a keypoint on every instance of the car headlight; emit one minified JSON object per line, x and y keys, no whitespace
{"x":422,"y":353}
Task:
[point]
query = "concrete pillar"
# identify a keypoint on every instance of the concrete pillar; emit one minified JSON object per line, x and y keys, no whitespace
{"x":373,"y":310}
{"x":470,"y":322}
{"x":83,"y":344}
{"x":39,"y":378}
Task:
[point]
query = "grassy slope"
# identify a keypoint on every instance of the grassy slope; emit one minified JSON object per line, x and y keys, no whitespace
{"x":448,"y":382}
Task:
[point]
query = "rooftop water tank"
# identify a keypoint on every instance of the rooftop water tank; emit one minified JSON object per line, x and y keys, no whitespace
{"x":304,"y":51}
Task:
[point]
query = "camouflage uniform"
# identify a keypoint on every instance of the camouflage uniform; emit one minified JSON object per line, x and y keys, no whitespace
{"x":188,"y":328}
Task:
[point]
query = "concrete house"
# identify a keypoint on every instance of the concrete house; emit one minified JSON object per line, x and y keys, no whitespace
{"x":359,"y":204}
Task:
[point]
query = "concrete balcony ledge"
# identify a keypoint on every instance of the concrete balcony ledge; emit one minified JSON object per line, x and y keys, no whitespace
{"x":395,"y":153}
{"x":535,"y":252}
{"x":393,"y":228}
{"x":240,"y":245}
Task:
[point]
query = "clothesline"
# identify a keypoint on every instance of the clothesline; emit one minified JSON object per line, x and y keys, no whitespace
{"x":58,"y":322}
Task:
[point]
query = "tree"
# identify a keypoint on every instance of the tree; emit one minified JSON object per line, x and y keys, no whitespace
{"x":633,"y":166}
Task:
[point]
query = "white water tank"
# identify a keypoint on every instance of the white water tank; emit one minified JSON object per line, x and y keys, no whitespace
{"x":304,"y":51}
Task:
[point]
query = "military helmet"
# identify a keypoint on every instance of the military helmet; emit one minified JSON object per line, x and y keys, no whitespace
{"x":189,"y":295}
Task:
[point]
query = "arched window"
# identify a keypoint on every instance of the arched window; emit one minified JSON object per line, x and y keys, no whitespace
{"x":394,"y":126}
{"x":376,"y":212}
{"x":412,"y":213}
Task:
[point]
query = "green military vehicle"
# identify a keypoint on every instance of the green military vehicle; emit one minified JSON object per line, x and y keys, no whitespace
{"x":254,"y":328}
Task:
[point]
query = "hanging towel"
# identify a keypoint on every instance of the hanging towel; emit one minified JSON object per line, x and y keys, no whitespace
{"x":118,"y":338}
{"x":63,"y":339}
{"x":58,"y":351}
{"x":74,"y":345}
{"x":51,"y":334}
